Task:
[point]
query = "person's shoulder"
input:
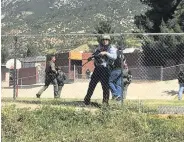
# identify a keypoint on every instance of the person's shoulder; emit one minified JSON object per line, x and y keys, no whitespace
{"x":113,"y":47}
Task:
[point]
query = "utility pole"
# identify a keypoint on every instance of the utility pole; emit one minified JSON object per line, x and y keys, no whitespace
{"x":15,"y":68}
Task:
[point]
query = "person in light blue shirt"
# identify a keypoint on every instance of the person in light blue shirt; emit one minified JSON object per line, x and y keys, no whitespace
{"x":104,"y":55}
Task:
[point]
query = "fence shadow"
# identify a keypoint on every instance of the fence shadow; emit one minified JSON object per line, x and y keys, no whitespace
{"x":56,"y":102}
{"x":24,"y":87}
{"x":171,"y":92}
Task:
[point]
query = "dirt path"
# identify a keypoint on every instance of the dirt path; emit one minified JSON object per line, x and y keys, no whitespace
{"x":154,"y":90}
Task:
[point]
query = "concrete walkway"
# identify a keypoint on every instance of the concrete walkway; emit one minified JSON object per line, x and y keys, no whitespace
{"x":153,"y":90}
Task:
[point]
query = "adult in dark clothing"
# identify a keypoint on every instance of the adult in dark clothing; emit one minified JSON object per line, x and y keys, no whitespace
{"x":101,"y":73}
{"x":61,"y":77}
{"x":181,"y":84}
{"x":50,"y":78}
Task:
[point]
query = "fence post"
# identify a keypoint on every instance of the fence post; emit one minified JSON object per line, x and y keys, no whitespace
{"x":21,"y":82}
{"x":15,"y":71}
{"x":74,"y":73}
{"x":161,"y":75}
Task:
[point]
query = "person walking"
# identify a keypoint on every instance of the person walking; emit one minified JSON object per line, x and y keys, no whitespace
{"x":50,"y":78}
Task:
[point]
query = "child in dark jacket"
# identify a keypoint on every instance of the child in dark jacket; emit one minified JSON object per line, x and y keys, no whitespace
{"x":61,"y":77}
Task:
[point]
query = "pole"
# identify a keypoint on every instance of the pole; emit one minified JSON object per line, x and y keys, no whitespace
{"x":21,"y":82}
{"x":122,"y":65}
{"x":74,"y":73}
{"x":17,"y":83}
{"x":161,"y":78}
{"x":15,"y":71}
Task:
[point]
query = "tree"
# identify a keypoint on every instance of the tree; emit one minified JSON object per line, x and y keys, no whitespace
{"x":4,"y":55}
{"x":159,"y":11}
{"x":164,"y":16}
{"x":104,"y":27}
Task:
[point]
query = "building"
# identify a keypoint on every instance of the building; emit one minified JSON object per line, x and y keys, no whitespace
{"x":4,"y":72}
{"x":72,"y":63}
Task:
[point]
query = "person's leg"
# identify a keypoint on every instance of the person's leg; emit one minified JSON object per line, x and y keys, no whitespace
{"x":47,"y":83}
{"x":92,"y":85}
{"x":112,"y":84}
{"x":104,"y":79}
{"x":119,"y":88}
{"x":41,"y":91}
{"x":125,"y":91}
{"x":181,"y":88}
{"x":115,"y":83}
{"x":59,"y":90}
{"x":55,"y":84}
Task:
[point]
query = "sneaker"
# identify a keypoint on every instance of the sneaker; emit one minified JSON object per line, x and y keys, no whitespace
{"x":56,"y":97}
{"x":38,"y":95}
{"x":113,"y":97}
{"x":87,"y":103}
{"x":118,"y":98}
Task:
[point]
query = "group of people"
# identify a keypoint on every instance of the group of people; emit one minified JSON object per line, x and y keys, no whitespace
{"x":110,"y":70}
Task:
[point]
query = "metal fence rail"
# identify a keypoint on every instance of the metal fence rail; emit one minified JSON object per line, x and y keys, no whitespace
{"x":154,"y":60}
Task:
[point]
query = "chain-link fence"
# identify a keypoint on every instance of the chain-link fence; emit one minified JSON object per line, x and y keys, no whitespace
{"x":153,"y":59}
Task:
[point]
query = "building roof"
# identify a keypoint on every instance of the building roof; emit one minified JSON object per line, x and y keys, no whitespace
{"x":131,"y":50}
{"x":33,"y":59}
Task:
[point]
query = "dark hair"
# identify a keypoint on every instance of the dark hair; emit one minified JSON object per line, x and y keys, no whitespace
{"x":51,"y":56}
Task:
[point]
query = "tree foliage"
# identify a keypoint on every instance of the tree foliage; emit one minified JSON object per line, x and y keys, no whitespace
{"x":164,"y":16}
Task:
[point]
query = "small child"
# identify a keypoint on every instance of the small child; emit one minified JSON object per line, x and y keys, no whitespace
{"x":61,"y":77}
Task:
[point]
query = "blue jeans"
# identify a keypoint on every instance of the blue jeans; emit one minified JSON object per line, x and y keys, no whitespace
{"x":115,"y":83}
{"x":181,"y":89}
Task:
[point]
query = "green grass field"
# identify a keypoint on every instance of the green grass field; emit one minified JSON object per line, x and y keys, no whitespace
{"x":48,"y":120}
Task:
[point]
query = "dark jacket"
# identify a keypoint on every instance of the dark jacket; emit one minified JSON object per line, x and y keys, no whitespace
{"x":181,"y":77}
{"x":50,"y":68}
{"x":127,"y":76}
{"x":61,"y":77}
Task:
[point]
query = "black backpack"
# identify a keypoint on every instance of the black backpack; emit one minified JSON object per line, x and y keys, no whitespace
{"x":181,"y":77}
{"x":119,"y":61}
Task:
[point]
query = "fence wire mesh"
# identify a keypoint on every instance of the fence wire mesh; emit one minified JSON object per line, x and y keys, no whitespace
{"x":154,"y":61}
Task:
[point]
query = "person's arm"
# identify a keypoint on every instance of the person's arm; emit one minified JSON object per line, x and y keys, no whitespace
{"x":179,"y":75}
{"x":112,"y":54}
{"x":64,"y":76}
{"x":53,"y":68}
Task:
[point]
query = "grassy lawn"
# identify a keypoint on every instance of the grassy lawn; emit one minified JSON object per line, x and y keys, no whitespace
{"x":62,"y":121}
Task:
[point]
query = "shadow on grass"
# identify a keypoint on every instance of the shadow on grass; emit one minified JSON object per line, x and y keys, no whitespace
{"x":55,"y":102}
{"x":171,"y":92}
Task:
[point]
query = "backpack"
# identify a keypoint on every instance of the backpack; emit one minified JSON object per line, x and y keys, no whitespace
{"x":61,"y":77}
{"x":119,"y":61}
{"x":181,"y":77}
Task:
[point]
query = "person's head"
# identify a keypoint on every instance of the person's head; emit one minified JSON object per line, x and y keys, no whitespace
{"x":53,"y":58}
{"x":106,"y":39}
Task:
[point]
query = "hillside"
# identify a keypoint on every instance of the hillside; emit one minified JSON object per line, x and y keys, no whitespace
{"x":67,"y":16}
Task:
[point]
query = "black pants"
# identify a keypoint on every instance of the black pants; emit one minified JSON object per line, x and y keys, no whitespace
{"x":50,"y":80}
{"x":101,"y":74}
